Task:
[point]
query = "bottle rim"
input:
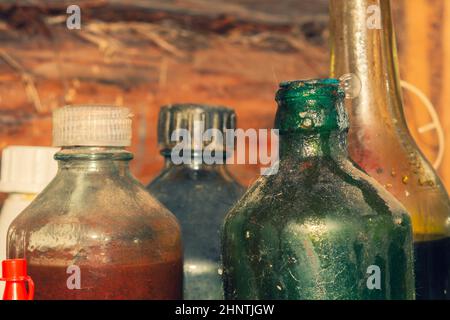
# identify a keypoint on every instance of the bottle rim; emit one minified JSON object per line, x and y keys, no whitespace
{"x":310,"y":88}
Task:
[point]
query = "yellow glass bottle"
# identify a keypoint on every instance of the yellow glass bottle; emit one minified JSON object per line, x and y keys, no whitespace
{"x":364,"y":54}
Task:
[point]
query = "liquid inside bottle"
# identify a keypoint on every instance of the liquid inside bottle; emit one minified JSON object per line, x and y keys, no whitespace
{"x":199,"y":194}
{"x":363,"y":49}
{"x":95,"y":232}
{"x":320,"y":228}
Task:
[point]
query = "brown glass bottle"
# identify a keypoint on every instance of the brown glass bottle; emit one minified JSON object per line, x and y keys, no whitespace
{"x":95,"y":232}
{"x":364,"y":51}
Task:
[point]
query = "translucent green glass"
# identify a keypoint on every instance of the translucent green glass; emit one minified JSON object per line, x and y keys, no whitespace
{"x":320,"y":228}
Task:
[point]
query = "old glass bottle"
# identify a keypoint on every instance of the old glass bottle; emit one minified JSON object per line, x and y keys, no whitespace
{"x":319,"y":228}
{"x":95,"y":232}
{"x":364,"y":53}
{"x":25,"y":172}
{"x":199,"y":194}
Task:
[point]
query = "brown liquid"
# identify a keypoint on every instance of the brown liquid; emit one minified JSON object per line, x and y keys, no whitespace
{"x":162,"y":281}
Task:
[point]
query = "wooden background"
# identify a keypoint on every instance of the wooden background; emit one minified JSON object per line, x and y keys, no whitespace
{"x":144,"y":54}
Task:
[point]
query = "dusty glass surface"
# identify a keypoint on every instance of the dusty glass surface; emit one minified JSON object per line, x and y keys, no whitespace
{"x":199,"y":195}
{"x":379,"y":140}
{"x":96,"y":233}
{"x":320,"y":228}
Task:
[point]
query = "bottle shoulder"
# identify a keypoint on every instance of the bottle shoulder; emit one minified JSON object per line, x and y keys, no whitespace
{"x":185,"y":183}
{"x":202,"y":175}
{"x":391,"y":155}
{"x":316,"y":189}
{"x":97,"y":205}
{"x":197,"y":201}
{"x":396,"y":163}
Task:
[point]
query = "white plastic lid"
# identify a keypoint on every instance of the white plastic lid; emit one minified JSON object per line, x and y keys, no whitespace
{"x":91,"y":125}
{"x":27,"y":169}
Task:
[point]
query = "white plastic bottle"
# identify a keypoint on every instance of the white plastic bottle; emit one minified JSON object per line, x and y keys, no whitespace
{"x":25,"y":172}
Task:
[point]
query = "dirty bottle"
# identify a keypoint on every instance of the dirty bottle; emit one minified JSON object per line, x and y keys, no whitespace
{"x":364,"y":56}
{"x":25,"y":171}
{"x":318,"y":228}
{"x":199,"y":194}
{"x":95,"y":232}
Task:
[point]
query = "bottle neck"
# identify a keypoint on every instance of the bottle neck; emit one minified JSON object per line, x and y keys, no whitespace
{"x":195,"y":161}
{"x":363,"y":44}
{"x":332,"y":144}
{"x":103,"y":160}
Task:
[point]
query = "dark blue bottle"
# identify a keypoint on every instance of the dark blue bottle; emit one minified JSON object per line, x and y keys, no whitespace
{"x":198,"y":194}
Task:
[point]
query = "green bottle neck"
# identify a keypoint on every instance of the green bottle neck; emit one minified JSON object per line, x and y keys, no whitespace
{"x":94,"y":160}
{"x":311,"y":119}
{"x":301,"y":146}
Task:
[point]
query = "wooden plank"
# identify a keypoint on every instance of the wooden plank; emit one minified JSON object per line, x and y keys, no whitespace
{"x":146,"y":64}
{"x":289,"y":12}
{"x":147,"y":53}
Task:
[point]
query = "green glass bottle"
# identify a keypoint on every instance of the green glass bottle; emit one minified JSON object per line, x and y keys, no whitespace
{"x":320,"y":228}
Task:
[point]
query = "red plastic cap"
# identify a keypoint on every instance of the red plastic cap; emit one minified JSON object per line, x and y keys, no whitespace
{"x":14,"y":269}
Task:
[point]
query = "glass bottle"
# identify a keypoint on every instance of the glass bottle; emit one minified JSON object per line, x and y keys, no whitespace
{"x":25,"y":171}
{"x":364,"y":53}
{"x":199,"y":194}
{"x":95,"y":232}
{"x":319,"y":228}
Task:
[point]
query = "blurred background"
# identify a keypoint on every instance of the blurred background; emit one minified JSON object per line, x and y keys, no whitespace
{"x":144,"y":54}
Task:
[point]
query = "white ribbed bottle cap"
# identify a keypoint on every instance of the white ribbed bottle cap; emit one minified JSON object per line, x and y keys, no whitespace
{"x":27,"y":169}
{"x":91,"y":125}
